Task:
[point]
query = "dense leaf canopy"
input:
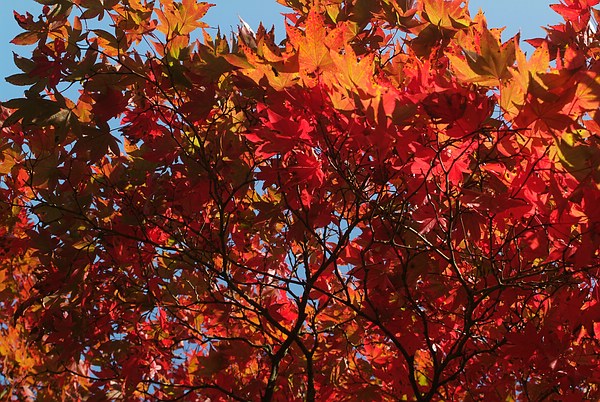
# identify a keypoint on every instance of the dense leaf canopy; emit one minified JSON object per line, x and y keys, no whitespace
{"x":393,"y":203}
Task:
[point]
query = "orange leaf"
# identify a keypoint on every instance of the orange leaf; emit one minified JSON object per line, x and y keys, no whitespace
{"x":311,"y":44}
{"x":26,"y":38}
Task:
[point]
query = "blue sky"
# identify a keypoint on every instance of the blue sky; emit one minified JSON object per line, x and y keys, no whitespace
{"x":517,"y":15}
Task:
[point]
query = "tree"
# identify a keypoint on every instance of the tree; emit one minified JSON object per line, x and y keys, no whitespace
{"x":394,"y":203}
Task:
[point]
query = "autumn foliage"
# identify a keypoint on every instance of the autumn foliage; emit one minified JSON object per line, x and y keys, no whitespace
{"x":393,"y":203}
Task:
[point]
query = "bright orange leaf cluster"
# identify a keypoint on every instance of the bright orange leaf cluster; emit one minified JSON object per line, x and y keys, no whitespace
{"x":394,"y":203}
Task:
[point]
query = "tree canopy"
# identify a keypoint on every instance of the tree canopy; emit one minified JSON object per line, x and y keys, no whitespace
{"x":393,"y":203}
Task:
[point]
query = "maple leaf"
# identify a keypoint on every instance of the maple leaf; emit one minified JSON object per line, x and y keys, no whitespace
{"x":108,"y":104}
{"x":181,"y":18}
{"x":314,"y":44}
{"x":446,"y":14}
{"x":490,"y":65}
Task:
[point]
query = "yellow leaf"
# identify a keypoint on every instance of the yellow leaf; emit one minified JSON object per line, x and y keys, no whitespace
{"x":580,"y":158}
{"x":313,"y":53}
{"x":490,"y":62}
{"x":446,"y":14}
{"x":528,"y":70}
{"x":512,"y":98}
{"x":353,"y":73}
{"x":181,"y":18}
{"x":464,"y":72}
{"x":8,"y":159}
{"x":587,"y":95}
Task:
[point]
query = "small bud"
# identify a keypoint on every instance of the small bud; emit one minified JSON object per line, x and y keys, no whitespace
{"x":246,"y":34}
